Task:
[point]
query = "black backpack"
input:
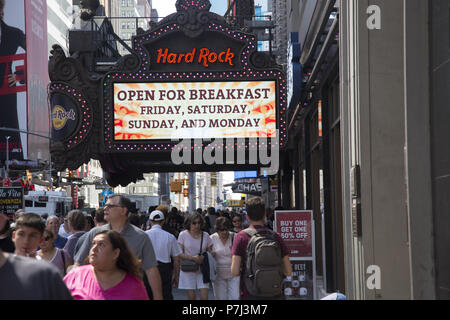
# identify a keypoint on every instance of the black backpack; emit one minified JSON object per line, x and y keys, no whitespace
{"x":263,"y":275}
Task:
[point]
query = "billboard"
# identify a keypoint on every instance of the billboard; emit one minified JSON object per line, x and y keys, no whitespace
{"x":194,"y":110}
{"x":24,"y":79}
{"x":37,"y":78}
{"x":245,"y":174}
{"x":13,"y":97}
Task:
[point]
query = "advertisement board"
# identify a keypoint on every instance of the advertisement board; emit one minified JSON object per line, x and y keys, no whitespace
{"x":245,"y":174}
{"x":302,"y":285}
{"x":24,"y":80}
{"x":37,"y":78}
{"x":194,"y":110}
{"x":296,"y":228}
{"x":13,"y":86}
{"x":11,"y":200}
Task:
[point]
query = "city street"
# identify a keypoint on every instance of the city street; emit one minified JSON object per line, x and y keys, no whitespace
{"x":302,"y":142}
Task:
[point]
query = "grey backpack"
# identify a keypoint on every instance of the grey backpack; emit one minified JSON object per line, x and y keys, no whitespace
{"x":263,"y":275}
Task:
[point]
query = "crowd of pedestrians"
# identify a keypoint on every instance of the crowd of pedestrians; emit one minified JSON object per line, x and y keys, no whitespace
{"x":116,"y":254}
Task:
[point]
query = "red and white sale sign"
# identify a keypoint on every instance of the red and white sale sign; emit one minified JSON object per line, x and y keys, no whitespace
{"x":295,"y":227}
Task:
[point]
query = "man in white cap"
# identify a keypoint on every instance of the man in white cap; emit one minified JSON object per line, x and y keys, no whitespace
{"x":166,"y":249}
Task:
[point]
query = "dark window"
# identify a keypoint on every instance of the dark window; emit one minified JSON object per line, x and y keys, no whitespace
{"x":40,"y":204}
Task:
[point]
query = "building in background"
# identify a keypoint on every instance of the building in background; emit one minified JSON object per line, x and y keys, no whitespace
{"x":280,"y":15}
{"x":207,"y":192}
{"x":127,"y":16}
{"x":59,"y":21}
{"x":263,"y":12}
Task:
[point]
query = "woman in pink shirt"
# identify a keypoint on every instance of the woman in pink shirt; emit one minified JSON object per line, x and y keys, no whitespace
{"x":113,"y":272}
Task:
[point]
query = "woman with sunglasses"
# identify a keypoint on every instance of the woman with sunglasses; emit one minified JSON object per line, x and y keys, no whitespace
{"x":226,"y":286}
{"x":192,"y":247}
{"x":237,"y":223}
{"x":56,"y":256}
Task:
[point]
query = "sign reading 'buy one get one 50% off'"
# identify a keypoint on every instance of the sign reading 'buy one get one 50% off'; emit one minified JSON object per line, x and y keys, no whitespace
{"x":295,"y":228}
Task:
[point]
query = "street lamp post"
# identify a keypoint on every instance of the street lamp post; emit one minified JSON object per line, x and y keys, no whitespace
{"x":27,"y":132}
{"x":7,"y":156}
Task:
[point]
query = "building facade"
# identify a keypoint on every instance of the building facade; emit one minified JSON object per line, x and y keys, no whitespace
{"x":367,"y":150}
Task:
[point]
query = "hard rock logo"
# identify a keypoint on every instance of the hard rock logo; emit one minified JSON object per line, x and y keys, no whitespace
{"x":60,"y":117}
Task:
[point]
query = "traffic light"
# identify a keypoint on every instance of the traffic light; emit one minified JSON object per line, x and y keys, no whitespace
{"x":71,"y":174}
{"x":186,"y":192}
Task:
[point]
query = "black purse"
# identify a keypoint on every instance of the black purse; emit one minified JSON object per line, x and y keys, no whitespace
{"x":189,"y":265}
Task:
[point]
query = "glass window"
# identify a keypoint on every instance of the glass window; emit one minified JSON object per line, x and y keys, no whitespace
{"x":40,"y":204}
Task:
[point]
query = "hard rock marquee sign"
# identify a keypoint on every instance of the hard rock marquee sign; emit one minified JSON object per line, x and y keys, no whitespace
{"x":193,"y":83}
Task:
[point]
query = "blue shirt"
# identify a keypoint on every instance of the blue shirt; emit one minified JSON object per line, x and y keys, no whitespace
{"x":60,"y":242}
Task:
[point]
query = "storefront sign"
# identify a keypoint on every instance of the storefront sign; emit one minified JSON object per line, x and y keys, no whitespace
{"x":11,"y":200}
{"x":203,"y":56}
{"x":190,"y":78}
{"x":190,"y":110}
{"x":247,"y":188}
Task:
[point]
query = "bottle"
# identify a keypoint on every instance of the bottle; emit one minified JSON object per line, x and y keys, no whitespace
{"x":287,"y":286}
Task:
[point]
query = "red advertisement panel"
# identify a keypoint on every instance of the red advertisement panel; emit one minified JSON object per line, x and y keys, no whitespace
{"x":295,"y":228}
{"x":37,"y":78}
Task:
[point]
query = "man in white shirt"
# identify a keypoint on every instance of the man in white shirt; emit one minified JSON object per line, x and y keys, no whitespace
{"x":166,"y":248}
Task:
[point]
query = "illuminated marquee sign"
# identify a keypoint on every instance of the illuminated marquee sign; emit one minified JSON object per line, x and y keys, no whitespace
{"x":191,"y":76}
{"x":192,"y":110}
{"x":180,"y":86}
{"x":203,"y":56}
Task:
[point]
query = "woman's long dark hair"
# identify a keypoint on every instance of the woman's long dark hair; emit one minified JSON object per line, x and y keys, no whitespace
{"x":127,"y":261}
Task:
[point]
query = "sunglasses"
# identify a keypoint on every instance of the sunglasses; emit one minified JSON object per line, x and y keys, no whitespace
{"x":196,"y":222}
{"x":234,"y":221}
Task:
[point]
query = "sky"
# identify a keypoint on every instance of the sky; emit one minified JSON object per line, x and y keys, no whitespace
{"x":166,"y":7}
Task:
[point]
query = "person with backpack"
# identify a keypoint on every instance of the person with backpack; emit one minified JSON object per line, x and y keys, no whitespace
{"x":260,"y":257}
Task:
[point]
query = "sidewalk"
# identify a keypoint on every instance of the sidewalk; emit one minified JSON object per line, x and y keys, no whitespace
{"x":179,"y":294}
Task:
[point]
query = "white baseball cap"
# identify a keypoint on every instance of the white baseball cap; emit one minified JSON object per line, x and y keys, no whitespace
{"x":156,"y":216}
